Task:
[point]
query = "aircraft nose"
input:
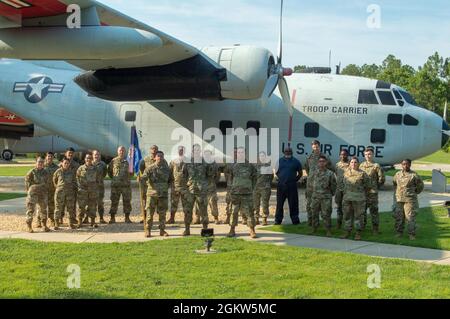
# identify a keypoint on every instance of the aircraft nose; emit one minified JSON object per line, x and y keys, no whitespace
{"x":445,"y":137}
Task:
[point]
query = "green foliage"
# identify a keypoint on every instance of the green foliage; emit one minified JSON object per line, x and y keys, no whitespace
{"x":432,"y":222}
{"x":171,"y":269}
{"x":8,"y":196}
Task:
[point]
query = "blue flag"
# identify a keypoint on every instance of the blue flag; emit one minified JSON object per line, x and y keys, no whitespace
{"x":134,"y":154}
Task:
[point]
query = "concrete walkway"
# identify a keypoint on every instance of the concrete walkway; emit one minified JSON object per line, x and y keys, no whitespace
{"x":103,"y":235}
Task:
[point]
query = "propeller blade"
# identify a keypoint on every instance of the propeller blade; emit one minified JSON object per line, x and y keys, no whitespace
{"x":280,"y":38}
{"x":446,"y":133}
{"x":271,"y":85}
{"x":284,"y":90}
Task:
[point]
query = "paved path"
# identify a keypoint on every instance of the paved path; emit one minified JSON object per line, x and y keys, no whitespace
{"x":440,"y":257}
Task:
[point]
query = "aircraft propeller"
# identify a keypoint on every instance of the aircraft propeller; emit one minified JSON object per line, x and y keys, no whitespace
{"x":278,"y":74}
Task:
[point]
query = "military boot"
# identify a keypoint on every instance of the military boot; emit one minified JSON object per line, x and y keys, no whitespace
{"x":265,"y":223}
{"x":102,"y":220}
{"x":44,"y":226}
{"x":30,"y":227}
{"x":127,"y":219}
{"x":86,"y":220}
{"x":232,"y":232}
{"x":171,"y":220}
{"x":93,"y":224}
{"x":346,"y":235}
{"x":163,"y":233}
{"x":187,"y":230}
{"x":80,"y":224}
{"x":112,"y":220}
{"x":358,"y":236}
{"x":253,"y":233}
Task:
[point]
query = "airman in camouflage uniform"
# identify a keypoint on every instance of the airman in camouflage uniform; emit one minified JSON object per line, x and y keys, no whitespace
{"x":118,"y":171}
{"x":64,"y":181}
{"x":145,"y":163}
{"x":158,"y":178}
{"x":179,"y":184}
{"x":263,"y":188}
{"x":322,"y":186}
{"x":340,"y":169}
{"x":376,"y":174}
{"x":356,"y":185}
{"x":229,"y":180}
{"x":36,"y":185}
{"x":103,"y":171}
{"x":51,"y":168}
{"x":197,"y":177}
{"x":310,"y":166}
{"x":213,"y":179}
{"x":408,"y":185}
{"x":244,"y":180}
{"x":73,"y":167}
{"x":88,"y":179}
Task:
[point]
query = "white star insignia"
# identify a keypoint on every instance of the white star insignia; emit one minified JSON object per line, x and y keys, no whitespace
{"x":37,"y":88}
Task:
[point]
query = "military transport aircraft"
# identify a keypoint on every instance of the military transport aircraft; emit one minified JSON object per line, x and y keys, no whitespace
{"x":22,"y":136}
{"x":117,"y":72}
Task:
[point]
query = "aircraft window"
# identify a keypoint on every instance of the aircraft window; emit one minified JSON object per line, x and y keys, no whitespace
{"x":397,"y":95}
{"x":395,"y":119}
{"x":386,"y":97}
{"x":255,"y":125}
{"x":130,"y":116}
{"x":378,"y":136}
{"x":410,"y":121}
{"x":383,"y":85}
{"x":408,"y":98}
{"x":224,"y":125}
{"x":367,"y":97}
{"x":312,"y":130}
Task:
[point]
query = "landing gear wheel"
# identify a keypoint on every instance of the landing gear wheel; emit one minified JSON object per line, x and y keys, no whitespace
{"x":7,"y":155}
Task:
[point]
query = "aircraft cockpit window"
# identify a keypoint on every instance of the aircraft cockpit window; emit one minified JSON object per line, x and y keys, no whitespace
{"x":224,"y":125}
{"x":254,"y":125}
{"x":386,"y":98}
{"x":399,"y":98}
{"x":395,"y":119}
{"x":367,"y":97}
{"x":408,"y":98}
{"x":410,"y":121}
{"x":378,"y":136}
{"x":130,"y":116}
{"x":312,"y":130}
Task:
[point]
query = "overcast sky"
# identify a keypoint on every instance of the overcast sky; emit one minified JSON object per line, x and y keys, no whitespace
{"x":410,"y":29}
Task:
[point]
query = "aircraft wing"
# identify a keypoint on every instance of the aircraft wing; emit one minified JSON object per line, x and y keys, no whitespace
{"x":32,"y":16}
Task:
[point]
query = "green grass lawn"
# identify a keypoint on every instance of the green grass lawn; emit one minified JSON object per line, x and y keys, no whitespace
{"x":425,"y":175}
{"x":439,"y":157}
{"x":14,"y":171}
{"x":433,"y":230}
{"x":171,"y":269}
{"x":7,"y":196}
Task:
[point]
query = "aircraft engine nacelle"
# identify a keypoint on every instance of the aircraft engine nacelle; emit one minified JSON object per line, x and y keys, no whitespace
{"x":248,"y":69}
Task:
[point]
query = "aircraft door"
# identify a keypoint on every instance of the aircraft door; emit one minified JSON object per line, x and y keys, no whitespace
{"x":130,"y":114}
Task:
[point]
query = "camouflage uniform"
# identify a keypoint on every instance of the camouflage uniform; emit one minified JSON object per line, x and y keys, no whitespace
{"x":118,"y":171}
{"x":143,"y":165}
{"x":51,"y":169}
{"x":64,"y":182}
{"x":263,"y":189}
{"x":322,"y":187}
{"x":244,"y":180}
{"x":376,"y":175}
{"x":179,"y":188}
{"x":229,"y":180}
{"x":36,"y":185}
{"x":355,"y":185}
{"x":102,"y":169}
{"x":73,"y":167}
{"x":158,"y":178}
{"x":310,"y":166}
{"x":198,"y":175}
{"x":408,"y":185}
{"x":88,"y":178}
{"x":340,"y":169}
{"x":211,"y":196}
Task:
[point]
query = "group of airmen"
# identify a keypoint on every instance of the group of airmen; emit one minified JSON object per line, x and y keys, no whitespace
{"x":54,"y":189}
{"x":355,"y":187}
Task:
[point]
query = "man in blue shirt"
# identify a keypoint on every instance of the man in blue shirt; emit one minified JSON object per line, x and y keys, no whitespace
{"x":289,"y":173}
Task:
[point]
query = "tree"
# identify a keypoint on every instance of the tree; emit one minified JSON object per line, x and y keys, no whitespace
{"x":299,"y":68}
{"x":352,"y":69}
